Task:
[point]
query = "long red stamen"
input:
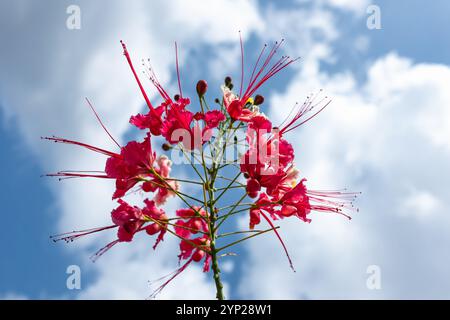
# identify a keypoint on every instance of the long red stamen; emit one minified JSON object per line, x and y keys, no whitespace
{"x":73,"y":235}
{"x":150,"y":73}
{"x":127,"y":56}
{"x":84,"y":145}
{"x":175,"y":274}
{"x":332,"y":201}
{"x":74,"y":174}
{"x":242,"y":64}
{"x":101,"y":123}
{"x":256,"y":80}
{"x":159,"y":238}
{"x":256,"y":64}
{"x":103,"y":250}
{"x":277,"y":67}
{"x":178,"y":69}
{"x":266,"y":62}
{"x":307,"y":106}
{"x":279,"y":238}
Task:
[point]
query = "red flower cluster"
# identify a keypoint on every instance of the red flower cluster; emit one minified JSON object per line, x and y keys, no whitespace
{"x":267,"y":165}
{"x":193,"y":221}
{"x":135,"y":163}
{"x":171,"y":118}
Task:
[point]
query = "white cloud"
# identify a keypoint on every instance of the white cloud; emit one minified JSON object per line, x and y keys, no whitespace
{"x":47,"y":70}
{"x":372,"y":139}
{"x":362,"y":43}
{"x":420,"y":204}
{"x":387,"y":138}
{"x":13,"y":296}
{"x":214,"y":21}
{"x":356,"y":6}
{"x":309,"y":39}
{"x":44,"y":91}
{"x":129,"y":271}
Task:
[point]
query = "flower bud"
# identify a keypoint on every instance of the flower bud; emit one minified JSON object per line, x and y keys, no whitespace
{"x":253,"y":188}
{"x":259,"y":99}
{"x":176,"y":97}
{"x":149,"y":186}
{"x":227,"y":80}
{"x":153,"y":229}
{"x":255,"y":218}
{"x":195,"y":225}
{"x":198,"y":255}
{"x":199,"y":116}
{"x":202,"y":86}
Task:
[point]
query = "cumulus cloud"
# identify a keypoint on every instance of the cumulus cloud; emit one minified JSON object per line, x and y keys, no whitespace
{"x":13,"y":296}
{"x":131,"y":271}
{"x":356,"y":6}
{"x":311,"y":39}
{"x":387,"y":137}
{"x":373,"y":139}
{"x":47,"y":70}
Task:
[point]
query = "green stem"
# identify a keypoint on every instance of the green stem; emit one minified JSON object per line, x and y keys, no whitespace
{"x":185,"y":181}
{"x":227,"y":234}
{"x":249,"y":205}
{"x":208,"y":188}
{"x":216,"y":272}
{"x":232,"y":213}
{"x":246,"y":238}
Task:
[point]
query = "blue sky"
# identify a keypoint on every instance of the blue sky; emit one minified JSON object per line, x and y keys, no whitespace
{"x":47,"y":70}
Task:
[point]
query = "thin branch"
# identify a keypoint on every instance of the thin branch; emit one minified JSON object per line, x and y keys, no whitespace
{"x":227,"y":234}
{"x":223,"y":218}
{"x":246,"y":238}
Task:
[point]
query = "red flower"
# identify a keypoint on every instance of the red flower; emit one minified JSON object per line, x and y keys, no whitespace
{"x":267,"y":164}
{"x":179,"y":126}
{"x":263,"y":203}
{"x":260,"y":122}
{"x":152,"y":120}
{"x":176,"y":125}
{"x":213,"y":118}
{"x":161,"y":182}
{"x":191,"y":222}
{"x":282,"y":182}
{"x":129,"y":220}
{"x":192,"y":249}
{"x":134,"y":163}
{"x":160,"y":226}
{"x":253,"y":188}
{"x":300,"y":201}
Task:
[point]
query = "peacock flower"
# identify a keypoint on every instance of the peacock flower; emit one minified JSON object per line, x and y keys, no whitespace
{"x":204,"y":135}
